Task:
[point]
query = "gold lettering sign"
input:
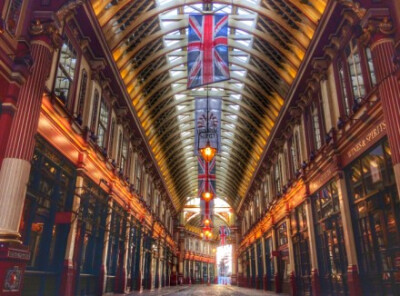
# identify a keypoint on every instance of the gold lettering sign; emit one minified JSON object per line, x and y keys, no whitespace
{"x":365,"y":142}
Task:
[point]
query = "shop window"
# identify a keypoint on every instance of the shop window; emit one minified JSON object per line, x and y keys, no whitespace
{"x":49,"y":198}
{"x":65,"y":71}
{"x":299,"y":231}
{"x":116,"y":238}
{"x":91,"y":228}
{"x":103,"y":124}
{"x":372,"y":172}
{"x":282,"y":234}
{"x":82,"y":95}
{"x":13,"y":16}
{"x":330,"y":239}
{"x":376,"y":218}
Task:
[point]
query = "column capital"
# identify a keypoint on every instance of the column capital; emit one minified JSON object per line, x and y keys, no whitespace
{"x":46,"y":33}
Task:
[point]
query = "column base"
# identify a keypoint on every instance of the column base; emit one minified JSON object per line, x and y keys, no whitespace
{"x":102,"y":280}
{"x":278,"y":283}
{"x":265,"y":282}
{"x":173,"y":279}
{"x":13,"y":260}
{"x":315,"y":283}
{"x":68,"y":279}
{"x":234,"y":280}
{"x":293,"y":284}
{"x":353,"y":280}
{"x":180,"y":279}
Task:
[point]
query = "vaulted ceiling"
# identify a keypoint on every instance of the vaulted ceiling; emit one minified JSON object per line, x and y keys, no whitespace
{"x":268,"y":40}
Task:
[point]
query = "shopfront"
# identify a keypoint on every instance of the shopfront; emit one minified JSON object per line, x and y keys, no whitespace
{"x":332,"y":260}
{"x":90,"y":237}
{"x":260,"y":267}
{"x":376,"y":219}
{"x":282,"y":278}
{"x":46,"y":218}
{"x":300,"y":239}
{"x":270,"y":272}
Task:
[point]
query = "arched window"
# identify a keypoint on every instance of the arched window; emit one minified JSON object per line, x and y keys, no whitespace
{"x":82,"y":94}
{"x":94,"y":111}
{"x":13,"y":16}
{"x":65,"y":72}
{"x":278,"y":177}
{"x":103,"y":124}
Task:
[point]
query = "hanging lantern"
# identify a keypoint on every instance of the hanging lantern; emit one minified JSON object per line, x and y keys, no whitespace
{"x":207,"y":196}
{"x":208,"y":152}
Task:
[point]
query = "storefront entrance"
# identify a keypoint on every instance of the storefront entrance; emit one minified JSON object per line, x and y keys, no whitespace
{"x":376,"y":217}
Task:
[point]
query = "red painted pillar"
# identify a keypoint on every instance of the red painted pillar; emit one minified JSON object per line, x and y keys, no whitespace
{"x":383,"y":55}
{"x":8,"y":108}
{"x":15,"y":168}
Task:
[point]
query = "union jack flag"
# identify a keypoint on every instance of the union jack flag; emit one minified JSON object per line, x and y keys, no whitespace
{"x":224,"y":231}
{"x":206,"y":176}
{"x":207,"y":49}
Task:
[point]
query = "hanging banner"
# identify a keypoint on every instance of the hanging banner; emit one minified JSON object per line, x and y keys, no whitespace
{"x":224,"y":232}
{"x":206,"y":211}
{"x":207,"y":49}
{"x":213,"y":133}
{"x":206,"y":176}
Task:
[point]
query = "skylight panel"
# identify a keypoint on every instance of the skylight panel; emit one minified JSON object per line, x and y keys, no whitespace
{"x":179,"y":96}
{"x":236,"y":96}
{"x":234,"y":107}
{"x":180,"y":107}
{"x":232,"y":116}
{"x":244,"y":42}
{"x":185,"y":134}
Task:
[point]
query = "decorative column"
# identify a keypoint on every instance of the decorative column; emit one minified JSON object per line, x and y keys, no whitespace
{"x":386,"y":63}
{"x":240,"y":271}
{"x":292,"y":271}
{"x":315,"y":282}
{"x":15,"y":168}
{"x":234,"y":276}
{"x":69,"y":272}
{"x":121,"y":278}
{"x":264,"y":260}
{"x":256,"y":266}
{"x":103,"y":268}
{"x":181,"y":255}
{"x":353,"y":279}
{"x":277,"y":277}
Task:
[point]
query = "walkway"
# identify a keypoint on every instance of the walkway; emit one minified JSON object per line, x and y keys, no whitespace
{"x":203,"y":290}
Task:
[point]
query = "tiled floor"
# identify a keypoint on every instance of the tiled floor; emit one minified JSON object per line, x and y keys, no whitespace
{"x":204,"y":290}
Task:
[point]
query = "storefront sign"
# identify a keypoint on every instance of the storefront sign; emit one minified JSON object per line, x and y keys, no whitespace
{"x":322,"y":177}
{"x":63,"y":217}
{"x":364,"y":141}
{"x":18,"y":254}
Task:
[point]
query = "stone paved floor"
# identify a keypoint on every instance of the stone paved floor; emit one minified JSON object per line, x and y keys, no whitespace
{"x":203,"y":290}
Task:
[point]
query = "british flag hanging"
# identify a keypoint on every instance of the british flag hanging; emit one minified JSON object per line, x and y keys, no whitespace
{"x":207,"y":49}
{"x":206,"y":176}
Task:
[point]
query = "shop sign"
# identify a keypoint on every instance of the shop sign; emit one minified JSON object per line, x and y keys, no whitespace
{"x":17,"y":254}
{"x":323,"y":177}
{"x":364,"y":141}
{"x":63,"y":218}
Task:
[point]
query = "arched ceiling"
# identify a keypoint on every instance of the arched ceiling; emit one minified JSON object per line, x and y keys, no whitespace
{"x":268,"y":40}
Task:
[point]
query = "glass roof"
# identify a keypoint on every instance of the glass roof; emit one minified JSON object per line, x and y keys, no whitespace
{"x":267,"y":42}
